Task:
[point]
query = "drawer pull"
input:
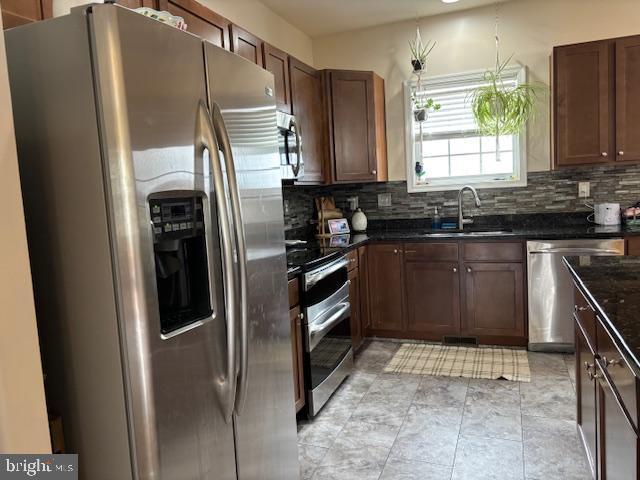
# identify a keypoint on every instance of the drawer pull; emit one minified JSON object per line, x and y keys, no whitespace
{"x":611,"y":362}
{"x":592,"y":375}
{"x":455,"y":269}
{"x":469,"y":270}
{"x":581,"y":309}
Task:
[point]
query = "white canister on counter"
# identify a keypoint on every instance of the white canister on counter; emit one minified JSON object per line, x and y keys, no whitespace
{"x":359,"y":221}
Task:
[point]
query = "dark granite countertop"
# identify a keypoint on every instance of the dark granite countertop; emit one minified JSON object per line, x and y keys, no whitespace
{"x":612,"y":285}
{"x":315,"y":251}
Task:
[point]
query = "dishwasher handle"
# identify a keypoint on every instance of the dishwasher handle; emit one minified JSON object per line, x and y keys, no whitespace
{"x":577,"y":251}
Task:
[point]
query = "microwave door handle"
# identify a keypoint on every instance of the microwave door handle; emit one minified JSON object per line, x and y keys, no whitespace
{"x":206,"y":139}
{"x":225,"y":145}
{"x":294,"y":126}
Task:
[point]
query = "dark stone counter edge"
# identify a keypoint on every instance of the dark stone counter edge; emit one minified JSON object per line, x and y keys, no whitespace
{"x":387,"y":236}
{"x":630,"y":358}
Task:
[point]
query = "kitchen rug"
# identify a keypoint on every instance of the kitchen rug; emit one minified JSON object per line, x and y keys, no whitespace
{"x":454,"y":361}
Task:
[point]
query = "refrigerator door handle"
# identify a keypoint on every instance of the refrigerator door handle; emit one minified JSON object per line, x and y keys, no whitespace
{"x":206,"y":139}
{"x":225,"y":145}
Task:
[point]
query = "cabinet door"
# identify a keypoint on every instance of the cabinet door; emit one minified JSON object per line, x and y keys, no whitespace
{"x":20,"y":12}
{"x":385,"y":288}
{"x":354,"y":300}
{"x":618,"y":447}
{"x":433,"y":298}
{"x":586,"y":396}
{"x":352,"y":126}
{"x":200,"y":20}
{"x":277,"y":62}
{"x":306,"y":103}
{"x":628,"y":99}
{"x":296,"y":351}
{"x":494,"y":303}
{"x":583,"y":104}
{"x":246,"y":45}
{"x":363,"y":262}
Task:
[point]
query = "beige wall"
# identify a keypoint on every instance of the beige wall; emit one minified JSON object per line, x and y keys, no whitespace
{"x":23,"y":419}
{"x":251,"y":15}
{"x":529,"y":28}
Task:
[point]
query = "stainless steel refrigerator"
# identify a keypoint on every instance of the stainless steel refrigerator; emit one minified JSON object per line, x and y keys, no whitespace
{"x":151,"y":183}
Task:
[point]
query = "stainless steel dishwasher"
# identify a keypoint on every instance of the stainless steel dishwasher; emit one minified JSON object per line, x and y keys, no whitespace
{"x":551,"y":289}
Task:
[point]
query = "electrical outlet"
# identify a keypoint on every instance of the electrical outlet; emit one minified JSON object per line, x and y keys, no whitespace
{"x":384,"y":199}
{"x":584,"y":189}
{"x":286,"y":207}
{"x":353,"y":203}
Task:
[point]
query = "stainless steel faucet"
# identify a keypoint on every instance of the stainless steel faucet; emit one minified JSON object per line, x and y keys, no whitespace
{"x":461,"y":219}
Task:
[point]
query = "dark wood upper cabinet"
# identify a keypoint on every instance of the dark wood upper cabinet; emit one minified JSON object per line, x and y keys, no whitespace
{"x":277,"y":62}
{"x":137,"y":3}
{"x":386,"y":297}
{"x":356,"y":123}
{"x":494,"y":300}
{"x":200,"y":20}
{"x":246,"y":45}
{"x":628,"y":99}
{"x":597,"y":102}
{"x":307,"y":106}
{"x":583,"y":103}
{"x":21,"y":12}
{"x":433,"y":298}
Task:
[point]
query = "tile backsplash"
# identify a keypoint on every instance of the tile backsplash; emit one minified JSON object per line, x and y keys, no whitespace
{"x":546,"y":192}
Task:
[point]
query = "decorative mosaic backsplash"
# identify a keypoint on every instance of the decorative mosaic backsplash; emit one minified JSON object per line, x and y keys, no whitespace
{"x":546,"y":192}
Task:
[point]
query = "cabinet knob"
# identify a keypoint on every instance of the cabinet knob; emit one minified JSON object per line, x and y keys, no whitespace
{"x":455,"y":269}
{"x":395,"y":250}
{"x":621,"y":153}
{"x":581,"y":309}
{"x":605,"y":154}
{"x":374,"y":172}
{"x":468,"y":269}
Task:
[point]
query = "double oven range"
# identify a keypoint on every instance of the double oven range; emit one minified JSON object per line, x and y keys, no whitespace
{"x":326,"y":329}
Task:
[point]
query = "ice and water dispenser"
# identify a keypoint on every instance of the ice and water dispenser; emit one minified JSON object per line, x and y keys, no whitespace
{"x":180,"y":248}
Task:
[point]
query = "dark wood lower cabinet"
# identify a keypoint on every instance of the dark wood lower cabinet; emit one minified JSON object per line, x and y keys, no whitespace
{"x":618,"y":450}
{"x":433,"y":298}
{"x":586,"y":417}
{"x":494,"y":300}
{"x":386,"y":289}
{"x":435,"y":289}
{"x":297,"y":354}
{"x":354,"y":299}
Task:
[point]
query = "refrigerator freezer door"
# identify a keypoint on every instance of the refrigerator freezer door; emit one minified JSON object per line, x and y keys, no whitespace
{"x":265,"y":425}
{"x":150,"y":82}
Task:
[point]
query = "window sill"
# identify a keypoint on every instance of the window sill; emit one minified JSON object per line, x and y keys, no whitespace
{"x":442,"y":187}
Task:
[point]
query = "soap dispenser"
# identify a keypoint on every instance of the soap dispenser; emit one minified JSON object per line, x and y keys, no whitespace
{"x":436,"y":223}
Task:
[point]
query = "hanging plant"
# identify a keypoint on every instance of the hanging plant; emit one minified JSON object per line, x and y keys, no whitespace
{"x":499,"y":109}
{"x":422,"y":107}
{"x":502,"y":110}
{"x":420,"y":52}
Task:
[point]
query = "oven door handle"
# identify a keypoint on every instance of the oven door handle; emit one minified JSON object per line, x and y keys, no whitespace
{"x":318,"y":332}
{"x":310,"y":279}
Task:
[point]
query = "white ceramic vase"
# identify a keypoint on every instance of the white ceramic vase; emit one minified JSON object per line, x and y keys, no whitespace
{"x":359,"y":221}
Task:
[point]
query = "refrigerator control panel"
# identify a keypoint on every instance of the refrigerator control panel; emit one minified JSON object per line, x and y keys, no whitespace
{"x":176,"y":217}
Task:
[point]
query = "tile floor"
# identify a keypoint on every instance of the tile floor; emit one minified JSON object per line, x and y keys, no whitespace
{"x":383,"y":426}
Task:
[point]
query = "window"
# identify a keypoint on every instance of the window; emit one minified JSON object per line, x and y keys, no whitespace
{"x":447,"y":145}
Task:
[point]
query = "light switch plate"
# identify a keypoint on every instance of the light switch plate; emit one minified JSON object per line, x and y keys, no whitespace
{"x":384,"y":199}
{"x":584,"y":189}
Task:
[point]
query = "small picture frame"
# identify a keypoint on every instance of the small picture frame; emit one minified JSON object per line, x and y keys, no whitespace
{"x":338,"y":226}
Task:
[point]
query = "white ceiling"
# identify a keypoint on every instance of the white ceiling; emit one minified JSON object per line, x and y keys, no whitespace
{"x":323,"y":17}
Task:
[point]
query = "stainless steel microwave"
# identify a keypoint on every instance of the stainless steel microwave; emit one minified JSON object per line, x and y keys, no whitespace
{"x":290,"y":145}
